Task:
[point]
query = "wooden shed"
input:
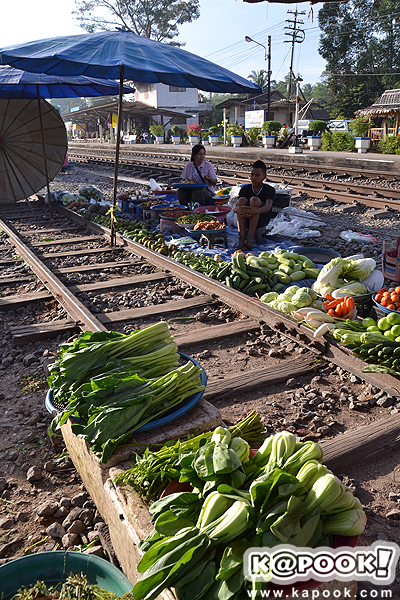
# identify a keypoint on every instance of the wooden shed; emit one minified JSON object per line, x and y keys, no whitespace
{"x":387,"y":105}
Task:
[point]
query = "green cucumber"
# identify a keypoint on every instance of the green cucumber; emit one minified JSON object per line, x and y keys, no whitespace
{"x":239,"y":271}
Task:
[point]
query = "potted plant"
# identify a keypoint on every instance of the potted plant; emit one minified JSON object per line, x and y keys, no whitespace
{"x":317,"y":127}
{"x":252,"y":135}
{"x":213,"y":136}
{"x":175,"y":134}
{"x":194,"y":132}
{"x":235,"y":132}
{"x":359,"y":127}
{"x":158,"y":131}
{"x":269,"y":129}
{"x":204,"y":138}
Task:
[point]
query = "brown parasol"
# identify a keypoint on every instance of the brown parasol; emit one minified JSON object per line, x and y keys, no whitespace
{"x":22,"y":165}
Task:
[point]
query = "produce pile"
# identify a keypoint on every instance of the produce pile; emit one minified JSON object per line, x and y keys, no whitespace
{"x":116,"y":383}
{"x":174,"y":214}
{"x":376,"y":343}
{"x":75,"y":587}
{"x":339,"y":307}
{"x":193,"y":218}
{"x":347,"y":277}
{"x":154,"y":470}
{"x":389,"y":298}
{"x":204,"y":225}
{"x":284,"y":494}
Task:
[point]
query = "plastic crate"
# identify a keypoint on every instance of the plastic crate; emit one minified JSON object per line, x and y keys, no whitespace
{"x":364,"y":304}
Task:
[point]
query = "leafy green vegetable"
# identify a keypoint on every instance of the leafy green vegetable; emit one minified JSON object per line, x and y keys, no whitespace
{"x":358,"y":269}
{"x":351,"y":289}
{"x":290,"y":497}
{"x":153,"y":470}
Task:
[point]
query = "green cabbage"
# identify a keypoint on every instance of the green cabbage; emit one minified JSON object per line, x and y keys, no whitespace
{"x":352,"y":289}
{"x":292,"y":289}
{"x":302,"y":298}
{"x":286,"y":307}
{"x":358,"y":269}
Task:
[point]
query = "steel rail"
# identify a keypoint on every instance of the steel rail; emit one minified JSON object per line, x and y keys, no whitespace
{"x":284,"y":162}
{"x":306,"y":187}
{"x":253,"y":308}
{"x":345,"y":192}
{"x":82,"y":316}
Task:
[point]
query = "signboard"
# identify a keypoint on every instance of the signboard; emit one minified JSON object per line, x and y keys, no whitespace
{"x":253,"y":118}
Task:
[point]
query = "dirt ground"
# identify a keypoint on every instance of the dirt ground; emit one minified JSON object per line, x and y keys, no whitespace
{"x":39,"y":486}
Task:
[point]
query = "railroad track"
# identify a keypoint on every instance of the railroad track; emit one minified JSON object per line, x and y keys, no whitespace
{"x":334,"y":184}
{"x":77,"y":281}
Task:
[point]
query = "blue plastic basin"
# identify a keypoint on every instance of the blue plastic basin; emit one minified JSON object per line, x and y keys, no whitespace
{"x":54,"y":567}
{"x":172,"y":415}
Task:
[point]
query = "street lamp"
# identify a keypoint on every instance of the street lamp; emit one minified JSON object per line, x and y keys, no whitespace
{"x":249,"y":39}
{"x":267,"y":56}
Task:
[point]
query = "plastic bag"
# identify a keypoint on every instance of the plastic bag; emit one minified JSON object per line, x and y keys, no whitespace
{"x":234,"y":193}
{"x":295,"y":223}
{"x":231,"y":219}
{"x":351,"y":315}
{"x":154,"y":186}
{"x":352,"y":236}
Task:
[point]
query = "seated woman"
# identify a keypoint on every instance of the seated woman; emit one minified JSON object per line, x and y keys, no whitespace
{"x":198,"y":170}
{"x":254,"y":206}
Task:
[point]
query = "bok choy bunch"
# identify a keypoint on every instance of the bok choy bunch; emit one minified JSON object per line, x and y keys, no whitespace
{"x":200,"y":537}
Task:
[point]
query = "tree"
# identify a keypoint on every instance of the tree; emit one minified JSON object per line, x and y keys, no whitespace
{"x":360,"y":41}
{"x":260,"y":78}
{"x":307,"y":90}
{"x":155,"y":19}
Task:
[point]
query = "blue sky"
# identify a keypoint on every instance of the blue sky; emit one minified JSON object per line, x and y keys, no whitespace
{"x":217,"y":35}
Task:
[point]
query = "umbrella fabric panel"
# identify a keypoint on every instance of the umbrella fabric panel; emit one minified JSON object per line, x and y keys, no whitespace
{"x":15,"y":83}
{"x":22,"y":167}
{"x":101,"y":54}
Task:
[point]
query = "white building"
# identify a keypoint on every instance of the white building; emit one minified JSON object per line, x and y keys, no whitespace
{"x":183,"y":100}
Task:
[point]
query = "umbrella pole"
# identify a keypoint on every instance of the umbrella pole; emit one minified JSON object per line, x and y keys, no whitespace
{"x":119,"y":122}
{"x":44,"y":155}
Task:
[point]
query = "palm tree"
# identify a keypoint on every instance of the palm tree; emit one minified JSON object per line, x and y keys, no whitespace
{"x":260,"y":78}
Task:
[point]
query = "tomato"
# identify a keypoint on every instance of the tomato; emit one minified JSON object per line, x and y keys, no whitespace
{"x":386,"y":294}
{"x":378,"y":297}
{"x":382,"y":290}
{"x":385,"y":301}
{"x":397,"y":289}
{"x":391,"y":307}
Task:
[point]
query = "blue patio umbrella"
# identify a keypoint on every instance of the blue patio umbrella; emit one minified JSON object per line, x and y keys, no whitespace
{"x":103,"y":54}
{"x":123,"y":55}
{"x":23,"y":173}
{"x":15,"y":83}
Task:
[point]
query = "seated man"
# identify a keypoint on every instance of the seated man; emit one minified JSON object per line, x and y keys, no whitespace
{"x":254,"y":206}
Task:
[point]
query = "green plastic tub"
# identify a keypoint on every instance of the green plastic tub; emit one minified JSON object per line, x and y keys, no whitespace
{"x":53,"y":567}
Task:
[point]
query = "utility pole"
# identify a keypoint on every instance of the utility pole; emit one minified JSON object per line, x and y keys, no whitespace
{"x":296,"y":35}
{"x":269,"y":79}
